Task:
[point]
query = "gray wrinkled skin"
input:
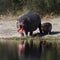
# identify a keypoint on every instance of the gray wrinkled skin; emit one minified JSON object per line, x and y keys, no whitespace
{"x":30,"y":22}
{"x":46,"y":28}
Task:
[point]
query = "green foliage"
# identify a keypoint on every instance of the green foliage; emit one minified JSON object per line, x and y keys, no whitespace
{"x":40,"y":6}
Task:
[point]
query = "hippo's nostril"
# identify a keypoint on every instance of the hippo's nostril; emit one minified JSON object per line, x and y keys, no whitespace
{"x":21,"y":26}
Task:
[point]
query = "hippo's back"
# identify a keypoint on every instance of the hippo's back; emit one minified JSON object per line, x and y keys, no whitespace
{"x":33,"y":20}
{"x":32,"y":16}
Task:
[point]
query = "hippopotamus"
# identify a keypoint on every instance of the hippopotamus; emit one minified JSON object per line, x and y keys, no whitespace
{"x":46,"y":28}
{"x":29,"y":22}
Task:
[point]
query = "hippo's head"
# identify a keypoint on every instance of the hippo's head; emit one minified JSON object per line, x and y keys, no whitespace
{"x":23,"y":24}
{"x":43,"y":27}
{"x":20,"y":25}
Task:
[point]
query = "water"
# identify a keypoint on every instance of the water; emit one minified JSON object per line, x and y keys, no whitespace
{"x":9,"y":51}
{"x":47,"y":53}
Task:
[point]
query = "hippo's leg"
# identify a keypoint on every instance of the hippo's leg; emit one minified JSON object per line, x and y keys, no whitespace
{"x":49,"y":32}
{"x":45,"y":32}
{"x":31,"y":33}
{"x":26,"y":33}
{"x":40,"y":28}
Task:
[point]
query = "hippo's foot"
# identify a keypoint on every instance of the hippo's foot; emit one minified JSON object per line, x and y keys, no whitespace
{"x":27,"y":34}
{"x":24,"y":34}
{"x":45,"y":32}
{"x":49,"y":32}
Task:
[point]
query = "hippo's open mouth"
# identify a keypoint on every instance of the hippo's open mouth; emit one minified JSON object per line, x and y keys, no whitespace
{"x":21,"y":26}
{"x":20,"y":29}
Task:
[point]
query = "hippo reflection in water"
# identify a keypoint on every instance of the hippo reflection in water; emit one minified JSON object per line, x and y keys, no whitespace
{"x":30,"y":51}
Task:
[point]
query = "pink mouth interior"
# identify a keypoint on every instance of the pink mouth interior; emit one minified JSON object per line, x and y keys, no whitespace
{"x":20,"y":30}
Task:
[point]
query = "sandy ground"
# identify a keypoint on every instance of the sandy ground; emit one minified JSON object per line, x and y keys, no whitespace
{"x":8,"y":26}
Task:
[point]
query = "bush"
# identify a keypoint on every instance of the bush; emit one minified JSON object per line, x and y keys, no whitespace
{"x":41,"y":6}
